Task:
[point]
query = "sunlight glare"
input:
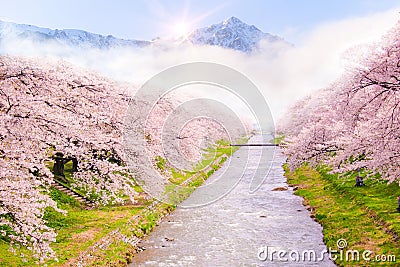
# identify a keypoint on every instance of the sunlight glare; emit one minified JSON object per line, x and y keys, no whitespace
{"x":181,"y":28}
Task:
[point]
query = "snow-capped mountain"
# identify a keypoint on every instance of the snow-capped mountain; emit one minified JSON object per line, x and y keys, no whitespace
{"x":69,"y":37}
{"x":231,"y":33}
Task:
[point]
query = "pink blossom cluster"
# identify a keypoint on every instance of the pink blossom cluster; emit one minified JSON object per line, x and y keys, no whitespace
{"x":190,"y":139}
{"x":355,"y":122}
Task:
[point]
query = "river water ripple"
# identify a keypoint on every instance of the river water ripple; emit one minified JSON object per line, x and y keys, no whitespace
{"x":232,"y":230}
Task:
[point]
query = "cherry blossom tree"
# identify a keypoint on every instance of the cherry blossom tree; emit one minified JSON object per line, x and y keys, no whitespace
{"x":358,"y":124}
{"x":44,"y":109}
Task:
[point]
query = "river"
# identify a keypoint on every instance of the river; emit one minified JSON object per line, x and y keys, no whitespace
{"x":242,"y":228}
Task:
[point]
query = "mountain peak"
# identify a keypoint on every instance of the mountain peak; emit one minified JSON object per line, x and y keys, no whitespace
{"x":232,"y":20}
{"x":231,"y":33}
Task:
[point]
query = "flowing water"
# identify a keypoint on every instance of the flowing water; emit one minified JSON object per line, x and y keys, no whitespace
{"x":242,"y":228}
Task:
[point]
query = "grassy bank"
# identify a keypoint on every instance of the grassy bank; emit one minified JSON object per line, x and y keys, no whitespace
{"x":105,"y":236}
{"x":365,"y":217}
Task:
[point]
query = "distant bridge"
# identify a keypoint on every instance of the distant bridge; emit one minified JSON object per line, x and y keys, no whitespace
{"x":266,"y":144}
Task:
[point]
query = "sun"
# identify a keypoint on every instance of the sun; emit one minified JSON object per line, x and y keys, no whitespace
{"x":181,"y":28}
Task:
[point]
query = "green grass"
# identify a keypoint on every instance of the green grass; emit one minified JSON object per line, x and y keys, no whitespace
{"x":278,"y":139}
{"x":365,"y":217}
{"x":161,"y":163}
{"x":76,"y":231}
{"x":221,"y":151}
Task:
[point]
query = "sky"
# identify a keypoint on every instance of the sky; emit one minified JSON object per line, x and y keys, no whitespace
{"x":147,"y":19}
